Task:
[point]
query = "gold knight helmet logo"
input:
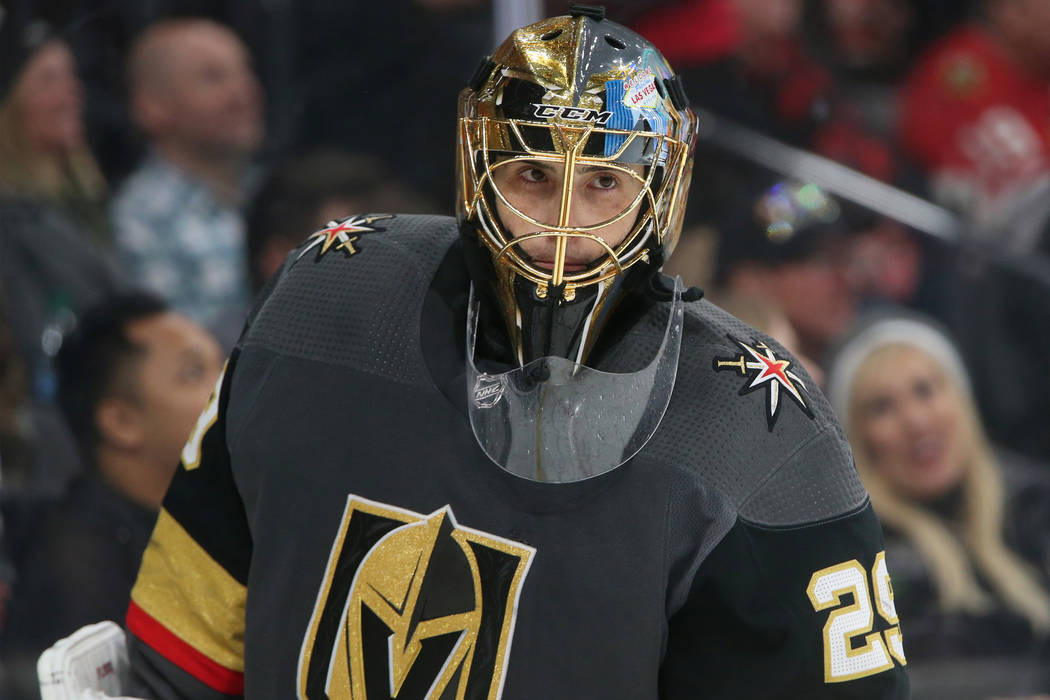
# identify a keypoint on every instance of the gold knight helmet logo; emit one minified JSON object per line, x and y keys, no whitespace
{"x":412,"y":607}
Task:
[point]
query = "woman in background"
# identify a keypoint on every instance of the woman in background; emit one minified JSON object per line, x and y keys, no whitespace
{"x":955,"y":514}
{"x":52,"y":222}
{"x":43,"y":153}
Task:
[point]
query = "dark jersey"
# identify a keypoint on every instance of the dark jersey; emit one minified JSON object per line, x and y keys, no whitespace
{"x":335,"y":530}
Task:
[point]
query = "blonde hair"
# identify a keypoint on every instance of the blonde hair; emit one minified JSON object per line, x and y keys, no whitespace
{"x":953,"y":553}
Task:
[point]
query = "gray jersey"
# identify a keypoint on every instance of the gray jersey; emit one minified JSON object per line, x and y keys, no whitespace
{"x":335,"y":530}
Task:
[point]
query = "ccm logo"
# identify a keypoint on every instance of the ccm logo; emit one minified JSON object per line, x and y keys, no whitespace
{"x":574,"y":114}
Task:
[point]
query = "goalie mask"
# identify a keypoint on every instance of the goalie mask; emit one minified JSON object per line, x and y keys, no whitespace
{"x":575,"y":152}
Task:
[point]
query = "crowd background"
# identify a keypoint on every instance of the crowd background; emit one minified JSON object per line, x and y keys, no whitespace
{"x":158,"y":159}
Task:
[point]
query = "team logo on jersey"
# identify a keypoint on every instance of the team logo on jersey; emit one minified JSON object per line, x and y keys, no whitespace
{"x":413,"y":607}
{"x":342,"y":233}
{"x":765,"y":370}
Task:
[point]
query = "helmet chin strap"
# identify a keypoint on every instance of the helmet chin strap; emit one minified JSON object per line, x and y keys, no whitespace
{"x":552,"y":326}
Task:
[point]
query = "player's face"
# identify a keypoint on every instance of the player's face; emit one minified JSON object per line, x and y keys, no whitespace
{"x":598,"y":193}
{"x":909,"y":419}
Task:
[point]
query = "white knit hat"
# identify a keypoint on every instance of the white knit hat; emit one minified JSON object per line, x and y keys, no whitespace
{"x":900,"y":328}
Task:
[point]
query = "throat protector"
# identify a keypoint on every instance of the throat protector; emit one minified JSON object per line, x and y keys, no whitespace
{"x":554,"y":420}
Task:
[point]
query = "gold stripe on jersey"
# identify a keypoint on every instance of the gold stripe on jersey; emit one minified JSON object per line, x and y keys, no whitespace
{"x":188,"y":592}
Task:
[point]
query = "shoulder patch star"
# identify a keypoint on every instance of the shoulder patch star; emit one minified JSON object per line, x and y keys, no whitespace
{"x":764,"y":370}
{"x":344,"y":232}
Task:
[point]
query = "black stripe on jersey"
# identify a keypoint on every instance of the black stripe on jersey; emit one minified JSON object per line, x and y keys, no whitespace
{"x":196,"y":496}
{"x":757,"y":632}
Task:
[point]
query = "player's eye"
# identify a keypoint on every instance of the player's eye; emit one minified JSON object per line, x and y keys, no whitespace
{"x":533,"y":175}
{"x":605,"y":181}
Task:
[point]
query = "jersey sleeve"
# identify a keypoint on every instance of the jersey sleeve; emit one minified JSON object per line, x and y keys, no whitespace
{"x":794,"y":611}
{"x":186,"y":616}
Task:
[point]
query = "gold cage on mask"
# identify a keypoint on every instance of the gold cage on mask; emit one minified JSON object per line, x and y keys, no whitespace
{"x":487,"y":144}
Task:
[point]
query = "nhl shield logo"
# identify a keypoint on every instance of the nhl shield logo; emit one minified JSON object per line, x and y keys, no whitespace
{"x":413,"y":607}
{"x":488,"y":390}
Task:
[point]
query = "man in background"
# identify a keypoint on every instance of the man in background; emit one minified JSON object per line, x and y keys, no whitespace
{"x":304,"y":193}
{"x":132,"y":379}
{"x":178,"y":226}
{"x":792,"y":248}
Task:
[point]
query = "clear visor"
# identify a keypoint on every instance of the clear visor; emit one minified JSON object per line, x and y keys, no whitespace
{"x":557,"y":421}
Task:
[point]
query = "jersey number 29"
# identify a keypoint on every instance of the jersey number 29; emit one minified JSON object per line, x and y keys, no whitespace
{"x":842,"y":660}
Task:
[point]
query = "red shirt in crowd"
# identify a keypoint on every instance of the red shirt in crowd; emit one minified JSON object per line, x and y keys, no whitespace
{"x":976,"y":120}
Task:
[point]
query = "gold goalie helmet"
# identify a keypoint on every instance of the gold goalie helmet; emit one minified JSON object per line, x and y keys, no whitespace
{"x":575,"y":151}
{"x":574,"y":159}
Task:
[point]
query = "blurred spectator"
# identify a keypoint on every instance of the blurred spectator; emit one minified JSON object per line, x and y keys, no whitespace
{"x":12,"y":392}
{"x":178,"y":226}
{"x":12,"y":443}
{"x":958,"y":518}
{"x":43,"y":154}
{"x":744,"y":59}
{"x":889,"y":263}
{"x":51,"y":218}
{"x":975,"y":115}
{"x":695,"y":256}
{"x":385,"y":90}
{"x":133,"y":379}
{"x":747,"y":60}
{"x":1002,"y":321}
{"x":974,"y":109}
{"x":867,"y":44}
{"x":792,"y":247}
{"x":310,"y":190}
{"x":870,"y":36}
{"x":47,"y":270}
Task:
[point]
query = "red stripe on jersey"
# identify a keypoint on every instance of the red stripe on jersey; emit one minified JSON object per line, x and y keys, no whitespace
{"x":161,"y":640}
